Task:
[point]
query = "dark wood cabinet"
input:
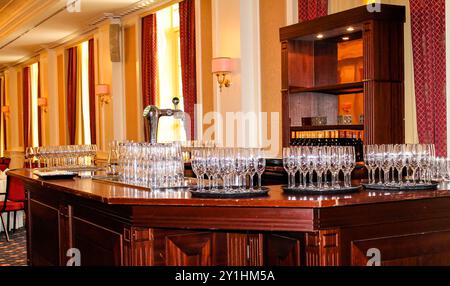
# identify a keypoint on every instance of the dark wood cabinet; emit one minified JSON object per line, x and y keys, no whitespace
{"x":345,"y":64}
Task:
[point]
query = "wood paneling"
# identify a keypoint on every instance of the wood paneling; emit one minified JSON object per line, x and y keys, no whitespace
{"x":189,"y":250}
{"x":426,"y":249}
{"x":284,"y":250}
{"x":98,"y":245}
{"x":44,"y":233}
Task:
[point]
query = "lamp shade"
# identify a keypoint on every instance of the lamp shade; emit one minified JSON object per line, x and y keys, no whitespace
{"x":42,"y":101}
{"x":101,"y":89}
{"x":222,"y":65}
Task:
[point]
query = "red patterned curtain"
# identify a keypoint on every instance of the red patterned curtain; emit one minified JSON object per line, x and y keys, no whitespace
{"x":92,"y":107}
{"x":188,"y":60}
{"x":26,"y":107}
{"x":428,"y":36}
{"x":311,"y":9}
{"x":72,"y":93}
{"x":149,"y":60}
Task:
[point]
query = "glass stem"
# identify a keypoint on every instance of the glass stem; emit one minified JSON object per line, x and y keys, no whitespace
{"x":319,"y":180}
{"x":259,"y":181}
{"x":386,"y":177}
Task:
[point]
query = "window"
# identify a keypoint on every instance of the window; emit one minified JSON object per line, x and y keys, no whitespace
{"x":84,"y":122}
{"x":80,"y":94}
{"x":169,"y":72}
{"x":34,"y":109}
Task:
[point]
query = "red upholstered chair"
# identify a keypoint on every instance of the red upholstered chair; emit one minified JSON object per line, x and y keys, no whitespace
{"x":14,"y":201}
{"x":4,"y":164}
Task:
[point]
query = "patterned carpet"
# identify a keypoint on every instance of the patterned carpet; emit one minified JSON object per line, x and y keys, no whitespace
{"x":13,"y":253}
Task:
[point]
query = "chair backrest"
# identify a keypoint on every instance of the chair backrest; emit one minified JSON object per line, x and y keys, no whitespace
{"x":4,"y":163}
{"x":15,"y":190}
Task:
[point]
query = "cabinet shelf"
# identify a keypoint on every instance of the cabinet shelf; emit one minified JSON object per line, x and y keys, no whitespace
{"x":336,"y":89}
{"x":326,"y":127}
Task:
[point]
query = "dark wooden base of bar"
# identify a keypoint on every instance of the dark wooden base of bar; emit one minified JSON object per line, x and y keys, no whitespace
{"x":113,"y":225}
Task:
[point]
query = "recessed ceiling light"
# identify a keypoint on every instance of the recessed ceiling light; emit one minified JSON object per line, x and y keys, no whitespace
{"x":345,"y":38}
{"x":350,"y":29}
{"x":319,"y":36}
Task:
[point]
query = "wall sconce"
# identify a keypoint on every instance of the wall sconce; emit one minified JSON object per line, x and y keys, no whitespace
{"x":43,"y":104}
{"x":222,"y":67}
{"x":6,"y":111}
{"x":102,"y":90}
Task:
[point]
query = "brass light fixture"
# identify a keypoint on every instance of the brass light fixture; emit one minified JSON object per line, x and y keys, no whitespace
{"x":43,"y":104}
{"x":102,"y":91}
{"x":222,"y":67}
{"x":6,"y":111}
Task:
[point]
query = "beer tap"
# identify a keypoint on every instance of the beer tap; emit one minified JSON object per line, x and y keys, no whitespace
{"x":152,"y":114}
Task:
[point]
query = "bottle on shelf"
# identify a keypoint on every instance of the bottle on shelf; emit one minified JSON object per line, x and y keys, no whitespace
{"x":352,"y":138}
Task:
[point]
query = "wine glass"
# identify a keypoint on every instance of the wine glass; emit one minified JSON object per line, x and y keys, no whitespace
{"x":29,"y":155}
{"x":335,"y":166}
{"x":260,"y":167}
{"x":320,"y":164}
{"x":304,"y":164}
{"x":399,"y":162}
{"x":287,"y":164}
{"x":414,"y":161}
{"x":349,"y":162}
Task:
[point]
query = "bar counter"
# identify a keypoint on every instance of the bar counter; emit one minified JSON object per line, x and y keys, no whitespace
{"x":116,"y":225}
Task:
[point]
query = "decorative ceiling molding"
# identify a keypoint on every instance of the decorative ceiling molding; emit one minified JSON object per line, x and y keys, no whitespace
{"x":20,"y":14}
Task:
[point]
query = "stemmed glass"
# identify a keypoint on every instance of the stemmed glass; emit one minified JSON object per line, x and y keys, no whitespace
{"x":251,"y":166}
{"x":348,"y":164}
{"x":319,"y":164}
{"x":387,"y":162}
{"x":414,"y":161}
{"x":379,"y":162}
{"x":226,"y":167}
{"x":399,"y":162}
{"x":260,"y":167}
{"x":29,"y":155}
{"x":288,"y":164}
{"x":240,"y":163}
{"x":335,"y":166}
{"x":304,"y":155}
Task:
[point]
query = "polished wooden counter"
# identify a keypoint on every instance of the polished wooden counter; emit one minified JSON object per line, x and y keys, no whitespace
{"x":117,"y":225}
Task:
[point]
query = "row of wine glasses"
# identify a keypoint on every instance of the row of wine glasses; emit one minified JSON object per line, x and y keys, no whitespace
{"x":308,"y":160}
{"x":62,"y":157}
{"x":189,"y":146}
{"x":440,"y":169}
{"x":417,"y":159}
{"x":150,"y":165}
{"x":228,"y":166}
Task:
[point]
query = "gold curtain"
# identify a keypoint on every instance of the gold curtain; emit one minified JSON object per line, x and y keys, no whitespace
{"x":411,"y":135}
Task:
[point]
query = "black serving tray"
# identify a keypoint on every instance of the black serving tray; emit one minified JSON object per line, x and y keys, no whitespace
{"x":406,"y":188}
{"x":233,"y":194}
{"x":315,"y":191}
{"x":69,"y":175}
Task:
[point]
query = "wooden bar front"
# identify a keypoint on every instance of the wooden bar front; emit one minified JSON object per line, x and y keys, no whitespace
{"x":115,"y":225}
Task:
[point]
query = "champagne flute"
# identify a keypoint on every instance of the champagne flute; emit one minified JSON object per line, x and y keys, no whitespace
{"x":260,"y":167}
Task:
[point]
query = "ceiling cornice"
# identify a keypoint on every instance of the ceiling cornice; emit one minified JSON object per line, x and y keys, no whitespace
{"x":20,"y":13}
